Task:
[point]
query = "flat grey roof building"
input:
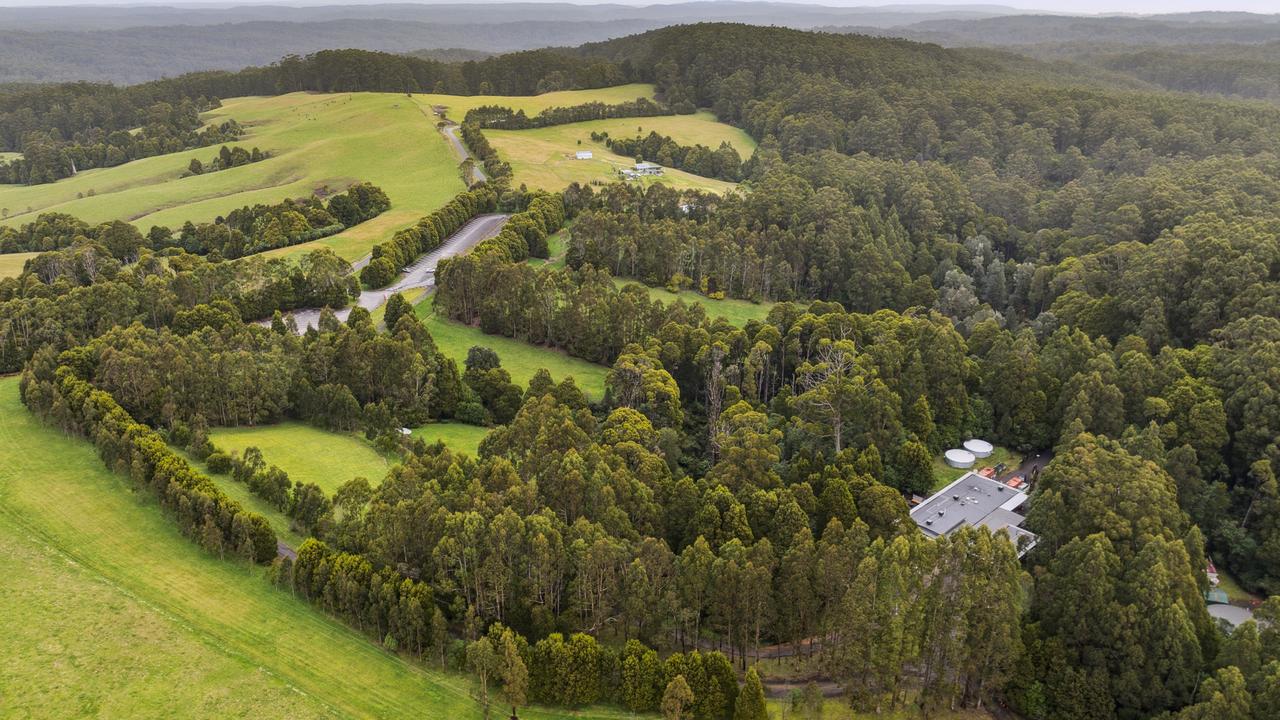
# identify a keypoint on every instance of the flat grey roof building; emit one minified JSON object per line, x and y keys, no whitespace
{"x":974,"y":500}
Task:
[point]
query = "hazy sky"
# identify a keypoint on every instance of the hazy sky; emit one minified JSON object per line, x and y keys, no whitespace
{"x":1061,"y":6}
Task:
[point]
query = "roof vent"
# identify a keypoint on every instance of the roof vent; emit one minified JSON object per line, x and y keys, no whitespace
{"x":942,"y":512}
{"x":929,"y":521}
{"x":1000,"y":489}
{"x":955,"y":497}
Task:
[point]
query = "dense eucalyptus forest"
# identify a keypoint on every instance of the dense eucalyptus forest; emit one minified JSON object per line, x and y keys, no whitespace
{"x":955,"y":245}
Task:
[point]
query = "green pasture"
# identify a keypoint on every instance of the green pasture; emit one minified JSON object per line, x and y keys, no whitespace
{"x":307,"y":453}
{"x":544,"y":157}
{"x":737,"y":312}
{"x":315,"y":140}
{"x":11,"y":263}
{"x":108,"y":611}
{"x":458,"y":437}
{"x":520,"y":359}
{"x":457,"y":106}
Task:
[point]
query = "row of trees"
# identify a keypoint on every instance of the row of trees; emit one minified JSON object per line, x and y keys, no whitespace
{"x":244,"y":231}
{"x":201,"y":509}
{"x":47,"y":156}
{"x":723,"y":163}
{"x":227,"y":158}
{"x":389,"y":258}
{"x":499,"y":117}
{"x":258,"y":228}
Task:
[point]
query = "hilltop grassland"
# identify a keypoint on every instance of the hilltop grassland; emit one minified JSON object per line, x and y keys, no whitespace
{"x":457,"y":106}
{"x":544,"y":157}
{"x":110,"y":612}
{"x":314,"y":140}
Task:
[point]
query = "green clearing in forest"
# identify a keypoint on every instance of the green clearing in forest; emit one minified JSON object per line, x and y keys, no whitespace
{"x":544,"y":157}
{"x":737,"y":312}
{"x":458,"y":437}
{"x":457,"y":106}
{"x":109,"y":612}
{"x":11,"y":264}
{"x":520,"y":359}
{"x":308,"y":453}
{"x":314,"y":140}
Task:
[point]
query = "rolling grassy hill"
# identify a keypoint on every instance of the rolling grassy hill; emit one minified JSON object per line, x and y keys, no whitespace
{"x":314,"y":140}
{"x":109,"y":612}
{"x":544,"y":157}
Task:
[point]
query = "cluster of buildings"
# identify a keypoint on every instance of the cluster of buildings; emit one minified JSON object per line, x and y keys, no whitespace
{"x":641,"y":169}
{"x":976,"y":500}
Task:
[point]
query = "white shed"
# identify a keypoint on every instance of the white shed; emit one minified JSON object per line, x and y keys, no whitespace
{"x":583,"y":155}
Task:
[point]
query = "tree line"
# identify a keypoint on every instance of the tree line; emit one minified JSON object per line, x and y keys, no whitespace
{"x":203,"y":512}
{"x":389,"y":258}
{"x":244,"y":231}
{"x":498,"y":117}
{"x":48,"y":155}
{"x":227,"y":158}
{"x":723,"y":163}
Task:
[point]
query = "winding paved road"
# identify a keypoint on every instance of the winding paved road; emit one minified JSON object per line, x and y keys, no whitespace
{"x":421,"y":274}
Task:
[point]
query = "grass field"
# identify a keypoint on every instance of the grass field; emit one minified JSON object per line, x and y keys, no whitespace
{"x":544,"y":157}
{"x":737,"y":312}
{"x":944,"y":474}
{"x":457,"y":106}
{"x":457,"y":436}
{"x":308,"y":454}
{"x":520,"y":359}
{"x":314,"y":139}
{"x":11,"y":263}
{"x":109,"y":612}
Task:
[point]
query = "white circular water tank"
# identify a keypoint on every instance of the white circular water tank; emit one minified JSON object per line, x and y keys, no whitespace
{"x":979,"y":448}
{"x":958,"y":458}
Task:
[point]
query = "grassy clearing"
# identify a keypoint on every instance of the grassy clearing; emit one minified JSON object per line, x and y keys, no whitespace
{"x":308,"y":454}
{"x":11,"y":263}
{"x":737,"y":312}
{"x":109,"y":612}
{"x":457,"y":436}
{"x":315,"y":140}
{"x":457,"y":106}
{"x":520,"y":359}
{"x":944,"y":474}
{"x":241,"y":494}
{"x":556,"y":244}
{"x":544,"y":157}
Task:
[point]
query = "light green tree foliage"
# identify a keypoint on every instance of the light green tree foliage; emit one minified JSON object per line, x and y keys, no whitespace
{"x":677,"y":700}
{"x":750,"y":704}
